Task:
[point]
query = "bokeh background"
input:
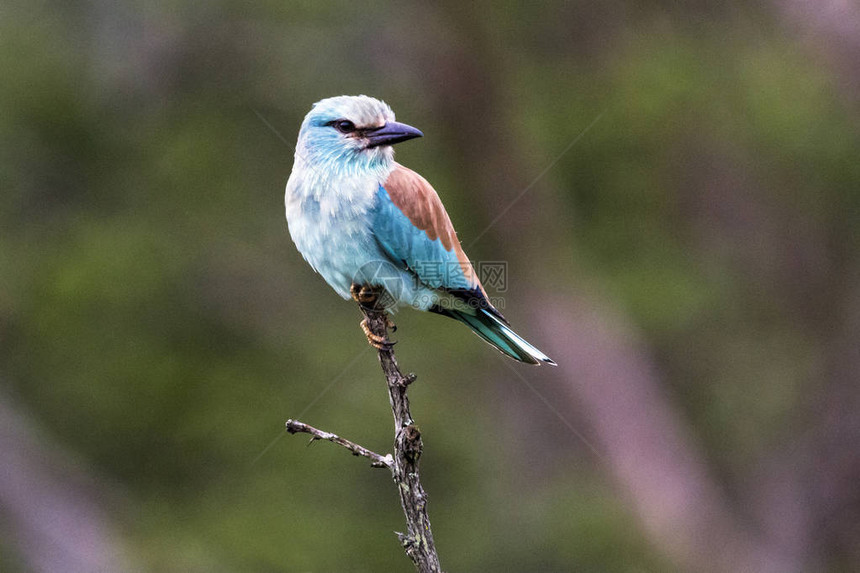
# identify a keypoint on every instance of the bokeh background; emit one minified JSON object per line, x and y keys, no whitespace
{"x":686,"y":248}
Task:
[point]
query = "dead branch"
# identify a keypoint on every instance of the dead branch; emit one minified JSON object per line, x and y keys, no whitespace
{"x":418,"y":539}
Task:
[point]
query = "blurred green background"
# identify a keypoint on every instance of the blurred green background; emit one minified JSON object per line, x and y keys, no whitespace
{"x":686,"y":248}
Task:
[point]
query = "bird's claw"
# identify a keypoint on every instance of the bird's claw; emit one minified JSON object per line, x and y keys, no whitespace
{"x":375,"y":340}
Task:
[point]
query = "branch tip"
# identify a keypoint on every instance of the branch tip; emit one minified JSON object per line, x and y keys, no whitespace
{"x":294,"y":426}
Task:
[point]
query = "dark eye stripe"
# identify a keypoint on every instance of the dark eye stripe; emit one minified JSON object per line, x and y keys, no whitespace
{"x":342,"y":125}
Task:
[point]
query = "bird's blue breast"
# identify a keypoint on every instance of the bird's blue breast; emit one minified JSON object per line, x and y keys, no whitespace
{"x":330,"y":223}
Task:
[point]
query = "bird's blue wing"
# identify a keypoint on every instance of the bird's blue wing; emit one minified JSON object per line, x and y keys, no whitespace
{"x":414,"y":231}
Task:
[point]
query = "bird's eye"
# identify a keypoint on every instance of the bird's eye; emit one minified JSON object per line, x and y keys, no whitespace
{"x":344,"y":126}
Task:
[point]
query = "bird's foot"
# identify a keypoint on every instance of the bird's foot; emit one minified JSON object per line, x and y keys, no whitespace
{"x":369,"y":298}
{"x":365,"y":295}
{"x":375,"y":340}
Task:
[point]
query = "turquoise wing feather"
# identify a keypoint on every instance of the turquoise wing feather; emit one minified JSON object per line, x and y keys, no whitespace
{"x":411,"y":248}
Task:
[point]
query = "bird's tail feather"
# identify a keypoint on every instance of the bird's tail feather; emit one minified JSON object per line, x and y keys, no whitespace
{"x":500,"y":335}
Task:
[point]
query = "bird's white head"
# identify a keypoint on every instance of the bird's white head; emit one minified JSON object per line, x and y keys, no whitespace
{"x":351,"y":132}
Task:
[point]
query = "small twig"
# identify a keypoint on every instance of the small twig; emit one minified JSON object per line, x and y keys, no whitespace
{"x":377,"y":461}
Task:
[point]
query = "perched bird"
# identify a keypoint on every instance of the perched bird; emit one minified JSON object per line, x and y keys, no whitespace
{"x":360,"y":218}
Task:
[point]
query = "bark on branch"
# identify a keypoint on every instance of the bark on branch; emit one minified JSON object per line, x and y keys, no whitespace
{"x":418,"y":539}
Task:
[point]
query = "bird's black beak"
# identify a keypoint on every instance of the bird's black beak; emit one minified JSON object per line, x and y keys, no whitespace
{"x":390,"y":133}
